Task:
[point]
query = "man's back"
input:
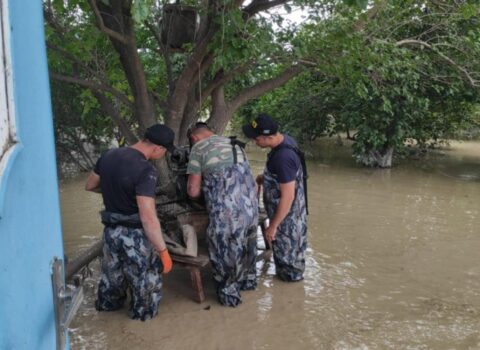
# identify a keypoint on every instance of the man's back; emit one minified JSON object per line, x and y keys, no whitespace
{"x":213,"y":154}
{"x":124,"y":174}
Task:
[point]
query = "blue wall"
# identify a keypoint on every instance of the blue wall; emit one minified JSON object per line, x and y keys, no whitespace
{"x":30,"y":229}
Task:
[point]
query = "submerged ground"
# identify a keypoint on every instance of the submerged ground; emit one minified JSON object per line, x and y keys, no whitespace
{"x":393,"y":263}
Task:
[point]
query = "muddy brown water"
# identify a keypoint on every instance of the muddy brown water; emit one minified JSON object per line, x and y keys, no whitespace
{"x":393,"y":263}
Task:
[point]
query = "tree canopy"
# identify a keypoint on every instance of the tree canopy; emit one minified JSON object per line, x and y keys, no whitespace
{"x":382,"y":71}
{"x":414,"y":76}
{"x":138,"y":67}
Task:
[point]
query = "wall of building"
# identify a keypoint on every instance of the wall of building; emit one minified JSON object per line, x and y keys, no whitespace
{"x":30,"y":228}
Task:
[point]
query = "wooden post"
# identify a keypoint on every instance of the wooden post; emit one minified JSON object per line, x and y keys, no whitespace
{"x":197,"y":284}
{"x":194,"y":265}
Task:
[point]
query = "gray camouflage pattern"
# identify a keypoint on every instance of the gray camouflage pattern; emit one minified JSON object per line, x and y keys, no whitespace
{"x":129,"y":263}
{"x":291,"y":238}
{"x":231,"y":234}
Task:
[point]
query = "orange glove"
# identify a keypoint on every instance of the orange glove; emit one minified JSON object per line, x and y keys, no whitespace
{"x":166,"y":260}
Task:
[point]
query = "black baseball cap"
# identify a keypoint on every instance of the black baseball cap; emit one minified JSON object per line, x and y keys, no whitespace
{"x":161,"y":135}
{"x":262,"y":125}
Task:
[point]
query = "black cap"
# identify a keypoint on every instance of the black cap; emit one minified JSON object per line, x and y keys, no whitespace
{"x":261,"y":125}
{"x":161,"y":135}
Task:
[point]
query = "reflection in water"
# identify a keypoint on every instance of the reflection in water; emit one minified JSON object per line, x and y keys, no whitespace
{"x":392,"y":263}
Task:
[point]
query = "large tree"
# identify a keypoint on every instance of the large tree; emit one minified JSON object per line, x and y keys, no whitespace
{"x":116,"y":49}
{"x":126,"y":56}
{"x":413,"y":76}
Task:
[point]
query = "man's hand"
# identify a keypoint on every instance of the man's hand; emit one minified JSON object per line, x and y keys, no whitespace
{"x":270,"y":234}
{"x":150,"y":223}
{"x":259,"y":181}
{"x":93,"y":183}
{"x":287,"y":195}
{"x":166,"y":261}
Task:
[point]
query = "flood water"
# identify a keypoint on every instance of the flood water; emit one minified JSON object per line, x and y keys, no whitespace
{"x":393,"y":263}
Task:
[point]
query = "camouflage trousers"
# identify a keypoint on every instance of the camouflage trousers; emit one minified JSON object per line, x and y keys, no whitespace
{"x":231,"y":233}
{"x":129,"y":263}
{"x":291,"y":238}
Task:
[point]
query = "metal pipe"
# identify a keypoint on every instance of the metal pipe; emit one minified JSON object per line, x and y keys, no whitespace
{"x":83,"y":259}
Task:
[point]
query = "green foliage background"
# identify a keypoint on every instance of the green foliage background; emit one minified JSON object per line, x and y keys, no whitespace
{"x":382,"y":71}
{"x":365,"y":77}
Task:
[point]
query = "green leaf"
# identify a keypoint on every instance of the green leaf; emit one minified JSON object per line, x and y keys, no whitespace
{"x":141,"y":10}
{"x":469,"y":10}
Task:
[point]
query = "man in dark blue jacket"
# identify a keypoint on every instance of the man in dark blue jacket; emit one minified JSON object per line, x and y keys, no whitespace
{"x":283,"y":197}
{"x":134,"y":251}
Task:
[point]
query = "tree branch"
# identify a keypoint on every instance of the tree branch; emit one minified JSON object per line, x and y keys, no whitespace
{"x":370,"y":15}
{"x":67,"y":151}
{"x":257,"y":6}
{"x":183,"y":84}
{"x":73,"y":59}
{"x":161,"y":103}
{"x":307,"y":63}
{"x":221,"y":79}
{"x":263,"y":87}
{"x":166,"y":56}
{"x":94,"y":86}
{"x":52,"y":21}
{"x":471,"y":80}
{"x":101,"y":25}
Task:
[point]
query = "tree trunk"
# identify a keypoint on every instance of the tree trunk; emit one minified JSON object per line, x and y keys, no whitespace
{"x":220,"y":114}
{"x":114,"y":18}
{"x":190,"y":116}
{"x":165,"y":184}
{"x":191,"y":73}
{"x":222,"y":110}
{"x":376,"y":158}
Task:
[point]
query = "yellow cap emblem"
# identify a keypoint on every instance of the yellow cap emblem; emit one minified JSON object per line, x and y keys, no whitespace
{"x":254,"y":124}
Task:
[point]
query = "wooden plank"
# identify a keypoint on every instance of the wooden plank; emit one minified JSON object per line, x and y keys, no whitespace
{"x":193,"y":264}
{"x":200,"y":261}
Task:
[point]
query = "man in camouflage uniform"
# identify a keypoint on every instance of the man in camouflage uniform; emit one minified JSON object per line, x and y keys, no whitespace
{"x":219,"y":168}
{"x":134,"y":251}
{"x":284,"y":197}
